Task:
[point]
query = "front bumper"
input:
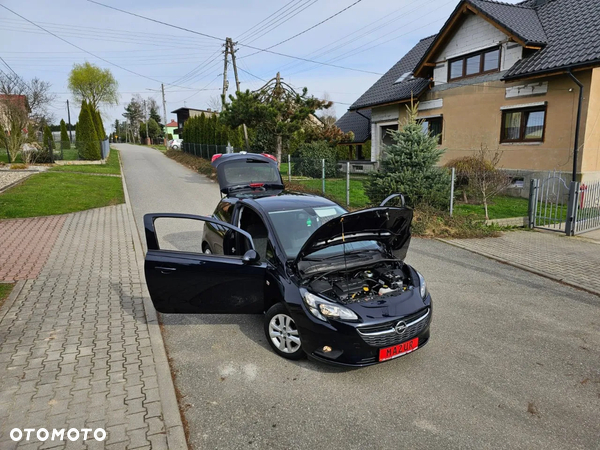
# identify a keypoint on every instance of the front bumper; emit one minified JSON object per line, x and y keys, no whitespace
{"x":351,"y":348}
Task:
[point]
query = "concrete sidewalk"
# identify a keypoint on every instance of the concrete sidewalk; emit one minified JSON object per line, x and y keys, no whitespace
{"x":76,"y":350}
{"x":570,"y":260}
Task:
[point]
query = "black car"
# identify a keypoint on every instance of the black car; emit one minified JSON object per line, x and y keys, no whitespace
{"x":332,"y":284}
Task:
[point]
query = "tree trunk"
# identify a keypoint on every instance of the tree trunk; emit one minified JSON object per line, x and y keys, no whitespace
{"x":485,"y":206}
{"x":465,"y":199}
{"x":279,"y":149}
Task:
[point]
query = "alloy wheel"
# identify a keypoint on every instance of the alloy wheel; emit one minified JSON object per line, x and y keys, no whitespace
{"x":284,"y":334}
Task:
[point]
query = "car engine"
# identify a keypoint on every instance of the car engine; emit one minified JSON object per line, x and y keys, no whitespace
{"x":362,"y":285}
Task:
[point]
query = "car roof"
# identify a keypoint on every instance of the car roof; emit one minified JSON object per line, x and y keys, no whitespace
{"x":284,"y":200}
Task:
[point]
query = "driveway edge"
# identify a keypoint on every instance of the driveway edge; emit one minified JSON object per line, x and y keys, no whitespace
{"x":11,"y":298}
{"x":520,"y":266}
{"x":171,"y":415}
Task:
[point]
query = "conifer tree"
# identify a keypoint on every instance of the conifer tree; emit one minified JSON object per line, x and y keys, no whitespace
{"x":88,"y":145}
{"x":48,"y":139}
{"x":408,"y":167}
{"x":65,"y":143}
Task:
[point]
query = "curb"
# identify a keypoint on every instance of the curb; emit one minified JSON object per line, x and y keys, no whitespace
{"x":15,"y":183}
{"x":11,"y":298}
{"x":166,"y":389}
{"x":519,"y":266}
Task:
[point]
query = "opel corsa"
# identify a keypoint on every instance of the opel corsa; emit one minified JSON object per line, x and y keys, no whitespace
{"x":332,"y":284}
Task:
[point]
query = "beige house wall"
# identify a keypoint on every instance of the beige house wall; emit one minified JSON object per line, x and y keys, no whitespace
{"x":472,"y":119}
{"x":590,"y":156}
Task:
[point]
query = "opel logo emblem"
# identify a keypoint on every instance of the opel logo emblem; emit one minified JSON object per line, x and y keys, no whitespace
{"x":400,"y":327}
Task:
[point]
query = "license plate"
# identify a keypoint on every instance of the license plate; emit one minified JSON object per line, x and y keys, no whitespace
{"x":398,"y":350}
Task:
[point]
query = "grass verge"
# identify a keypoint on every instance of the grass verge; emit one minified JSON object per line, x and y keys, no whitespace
{"x":160,"y":147}
{"x":112,"y":166}
{"x":5,"y":290}
{"x":501,"y":207}
{"x":54,"y":193}
{"x":196,"y":163}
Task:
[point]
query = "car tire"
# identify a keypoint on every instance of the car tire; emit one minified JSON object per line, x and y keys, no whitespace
{"x":282,"y":334}
{"x":175,"y":147}
{"x":206,"y":249}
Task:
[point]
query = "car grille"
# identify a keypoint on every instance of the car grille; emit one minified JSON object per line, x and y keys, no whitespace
{"x":385,"y":334}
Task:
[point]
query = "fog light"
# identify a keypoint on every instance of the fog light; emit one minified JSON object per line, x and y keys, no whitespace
{"x":327,"y":349}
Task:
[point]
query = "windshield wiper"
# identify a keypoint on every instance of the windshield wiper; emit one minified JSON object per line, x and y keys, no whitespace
{"x":352,"y":254}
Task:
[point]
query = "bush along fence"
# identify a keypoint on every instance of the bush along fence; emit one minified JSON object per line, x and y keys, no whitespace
{"x":51,"y":151}
{"x":207,"y":151}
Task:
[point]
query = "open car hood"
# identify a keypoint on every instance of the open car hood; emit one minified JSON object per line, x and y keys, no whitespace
{"x":246,"y":171}
{"x":388,"y":225}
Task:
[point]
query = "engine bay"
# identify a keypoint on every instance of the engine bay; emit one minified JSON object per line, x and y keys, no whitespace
{"x":361,"y":285}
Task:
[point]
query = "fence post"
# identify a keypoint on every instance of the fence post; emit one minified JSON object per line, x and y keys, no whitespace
{"x":51,"y":151}
{"x":571,"y":221}
{"x":532,"y":207}
{"x":452,"y":191}
{"x":323,"y":174}
{"x":289,"y":168}
{"x":347,"y":183}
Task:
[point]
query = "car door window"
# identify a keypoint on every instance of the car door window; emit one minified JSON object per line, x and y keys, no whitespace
{"x":185,"y":235}
{"x":252,"y":223}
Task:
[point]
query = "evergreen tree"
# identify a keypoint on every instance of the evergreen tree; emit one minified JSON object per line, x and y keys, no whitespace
{"x":48,"y":139}
{"x":88,"y":145}
{"x":97,"y":123}
{"x":408,"y":167}
{"x":65,"y":144}
{"x":202,"y":128}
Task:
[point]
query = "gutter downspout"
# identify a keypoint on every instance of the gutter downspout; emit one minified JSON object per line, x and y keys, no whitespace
{"x":576,"y":145}
{"x":368,"y":119}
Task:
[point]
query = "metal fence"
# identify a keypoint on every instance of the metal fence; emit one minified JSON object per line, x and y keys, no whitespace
{"x":572,"y":209}
{"x":37,"y":153}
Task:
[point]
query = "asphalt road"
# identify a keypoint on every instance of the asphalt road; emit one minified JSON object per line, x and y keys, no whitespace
{"x":513,"y":360}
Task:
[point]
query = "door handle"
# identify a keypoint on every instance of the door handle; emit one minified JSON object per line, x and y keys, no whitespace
{"x":165,"y":269}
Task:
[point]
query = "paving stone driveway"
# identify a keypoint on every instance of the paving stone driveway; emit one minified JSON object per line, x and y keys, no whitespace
{"x":25,"y":245}
{"x":75,"y":349}
{"x":571,"y":260}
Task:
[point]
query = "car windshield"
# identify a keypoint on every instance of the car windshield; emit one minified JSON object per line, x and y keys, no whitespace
{"x":294,"y":227}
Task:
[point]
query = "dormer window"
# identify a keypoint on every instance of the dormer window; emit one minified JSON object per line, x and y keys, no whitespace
{"x":485,"y":61}
{"x":404,"y":77}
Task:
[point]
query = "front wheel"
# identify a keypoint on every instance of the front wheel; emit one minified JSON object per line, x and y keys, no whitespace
{"x":282,"y":334}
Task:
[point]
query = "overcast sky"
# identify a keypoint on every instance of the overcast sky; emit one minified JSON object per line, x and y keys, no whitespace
{"x":370,"y":36}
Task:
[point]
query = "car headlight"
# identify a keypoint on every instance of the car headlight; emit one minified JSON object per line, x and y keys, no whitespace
{"x":323,"y":309}
{"x":422,"y":286}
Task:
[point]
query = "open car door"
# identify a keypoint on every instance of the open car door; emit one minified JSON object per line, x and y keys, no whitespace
{"x":182,"y":279}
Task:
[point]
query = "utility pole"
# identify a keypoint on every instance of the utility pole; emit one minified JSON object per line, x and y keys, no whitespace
{"x":69,"y":117}
{"x":237,"y":86}
{"x":146,"y":117}
{"x":162,"y":86}
{"x":225,"y":84}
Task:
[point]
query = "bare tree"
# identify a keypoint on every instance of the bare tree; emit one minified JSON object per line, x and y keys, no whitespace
{"x":214,"y":103}
{"x":485,"y":179}
{"x":22,"y":105}
{"x":328,"y":116}
{"x":135,"y":115}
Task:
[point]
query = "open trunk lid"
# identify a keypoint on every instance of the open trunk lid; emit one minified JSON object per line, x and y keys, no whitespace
{"x":388,"y":225}
{"x":246,"y":171}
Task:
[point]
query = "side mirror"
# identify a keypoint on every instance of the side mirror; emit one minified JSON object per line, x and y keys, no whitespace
{"x":251,"y":257}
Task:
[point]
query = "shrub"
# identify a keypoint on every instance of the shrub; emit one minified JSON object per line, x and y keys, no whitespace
{"x":311,"y":165}
{"x":408,"y":166}
{"x":169,"y":136}
{"x":430,"y":222}
{"x":18,"y":166}
{"x":65,"y":143}
{"x":48,"y":140}
{"x":88,"y":145}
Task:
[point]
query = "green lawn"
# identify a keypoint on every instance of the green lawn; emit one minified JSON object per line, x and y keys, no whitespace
{"x":499,"y":208}
{"x":336,"y":188}
{"x":4,"y":157}
{"x":53,"y":193}
{"x":111,"y":167}
{"x":5,"y":290}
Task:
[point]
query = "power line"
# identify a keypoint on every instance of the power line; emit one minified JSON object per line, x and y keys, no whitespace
{"x":283,"y":19}
{"x":308,"y":29}
{"x":251,"y":74}
{"x":77,"y":47}
{"x":265,"y":19}
{"x":240,"y":44}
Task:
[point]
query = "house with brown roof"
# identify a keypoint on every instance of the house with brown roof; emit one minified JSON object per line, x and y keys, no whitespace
{"x":505,"y":77}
